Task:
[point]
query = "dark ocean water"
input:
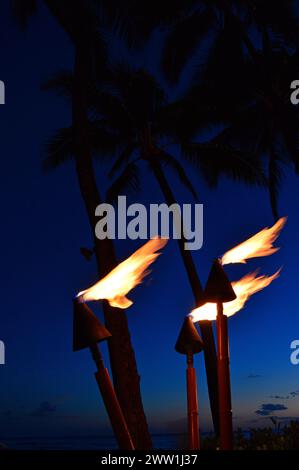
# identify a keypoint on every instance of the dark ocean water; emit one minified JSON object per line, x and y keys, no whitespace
{"x":160,"y":441}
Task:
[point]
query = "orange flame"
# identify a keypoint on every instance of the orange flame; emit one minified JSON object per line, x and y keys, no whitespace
{"x":261,"y":244}
{"x":244,"y":288}
{"x":125,"y":276}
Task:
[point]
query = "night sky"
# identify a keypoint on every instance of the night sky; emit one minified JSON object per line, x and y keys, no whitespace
{"x":48,"y":390}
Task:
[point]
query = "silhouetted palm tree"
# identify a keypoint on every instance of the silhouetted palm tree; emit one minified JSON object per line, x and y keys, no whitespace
{"x":80,"y":21}
{"x":267,"y":123}
{"x":133,"y":120}
{"x":242,"y":21}
{"x":246,"y":73}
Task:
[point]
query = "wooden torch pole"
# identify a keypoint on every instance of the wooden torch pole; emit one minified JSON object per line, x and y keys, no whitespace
{"x":111,"y":402}
{"x":88,"y":331}
{"x":192,"y":403}
{"x":224,"y":390}
{"x":189,"y":343}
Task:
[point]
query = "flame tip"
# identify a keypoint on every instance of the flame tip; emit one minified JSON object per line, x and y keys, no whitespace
{"x":125,"y":276}
{"x":259,"y":245}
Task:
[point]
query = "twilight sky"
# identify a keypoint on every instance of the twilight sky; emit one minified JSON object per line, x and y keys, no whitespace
{"x":47,"y":389}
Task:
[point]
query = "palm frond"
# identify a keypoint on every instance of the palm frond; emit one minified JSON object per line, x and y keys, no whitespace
{"x":135,"y":21}
{"x":183,"y":40}
{"x":104,"y":142}
{"x":59,"y":149}
{"x":122,"y":159}
{"x":185,"y":117}
{"x":179,"y":170}
{"x":61,"y":83}
{"x":214,"y":160}
{"x":280,"y":18}
{"x":128,"y":180}
{"x":226,"y":74}
{"x":140,"y":93}
{"x":111,"y":108}
{"x":244,"y":128}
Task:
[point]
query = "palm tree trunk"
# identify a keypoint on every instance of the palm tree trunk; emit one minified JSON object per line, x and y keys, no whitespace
{"x":122,"y":357}
{"x":205,"y":326}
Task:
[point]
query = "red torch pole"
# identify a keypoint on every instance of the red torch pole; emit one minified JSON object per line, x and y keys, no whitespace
{"x":219,"y":290}
{"x":87,"y":332}
{"x":192,"y":404}
{"x":225,"y":406}
{"x":189,"y":343}
{"x":111,"y":402}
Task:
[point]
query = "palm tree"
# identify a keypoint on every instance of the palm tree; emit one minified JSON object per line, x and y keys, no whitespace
{"x":134,"y":115}
{"x":155,"y":123}
{"x":80,"y":21}
{"x":266,"y":123}
{"x":217,"y":19}
{"x":250,"y":87}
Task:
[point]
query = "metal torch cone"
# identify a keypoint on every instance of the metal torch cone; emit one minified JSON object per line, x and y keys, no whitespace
{"x":219,"y":290}
{"x":189,"y":343}
{"x":87,"y":332}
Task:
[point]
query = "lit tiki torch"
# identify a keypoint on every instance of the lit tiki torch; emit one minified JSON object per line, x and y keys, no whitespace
{"x":219,"y":291}
{"x":88,"y":331}
{"x":189,"y":343}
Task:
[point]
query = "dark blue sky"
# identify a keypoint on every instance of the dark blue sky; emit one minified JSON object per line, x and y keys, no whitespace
{"x":45,"y":388}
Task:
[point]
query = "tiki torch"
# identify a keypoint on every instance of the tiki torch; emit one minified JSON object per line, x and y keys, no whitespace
{"x":234,"y":296}
{"x":88,"y":331}
{"x":219,"y":290}
{"x":189,"y":343}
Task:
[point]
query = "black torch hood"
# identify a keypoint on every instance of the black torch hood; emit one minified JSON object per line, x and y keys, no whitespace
{"x":87,"y":329}
{"x":218,"y":288}
{"x":189,"y":340}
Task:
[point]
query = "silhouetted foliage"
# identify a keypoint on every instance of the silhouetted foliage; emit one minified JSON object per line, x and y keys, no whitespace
{"x":277,"y":438}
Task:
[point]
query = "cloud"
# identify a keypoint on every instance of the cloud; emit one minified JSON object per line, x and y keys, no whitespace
{"x":253,"y":376}
{"x":280,"y":397}
{"x":285,"y":397}
{"x":267,"y":409}
{"x":45,"y":409}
